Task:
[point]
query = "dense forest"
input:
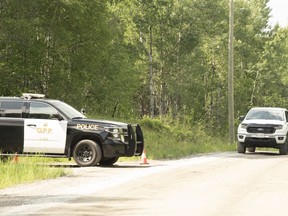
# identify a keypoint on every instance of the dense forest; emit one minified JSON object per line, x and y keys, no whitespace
{"x":135,"y":58}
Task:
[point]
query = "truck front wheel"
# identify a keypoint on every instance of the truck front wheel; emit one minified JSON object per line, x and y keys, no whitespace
{"x":241,"y":148}
{"x":283,"y":149}
{"x":87,"y":153}
{"x":251,"y":149}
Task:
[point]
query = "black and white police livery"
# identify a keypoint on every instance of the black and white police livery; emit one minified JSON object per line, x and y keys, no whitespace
{"x":32,"y":124}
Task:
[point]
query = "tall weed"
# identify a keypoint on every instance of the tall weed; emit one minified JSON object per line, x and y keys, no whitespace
{"x":27,"y":170}
{"x":180,"y":140}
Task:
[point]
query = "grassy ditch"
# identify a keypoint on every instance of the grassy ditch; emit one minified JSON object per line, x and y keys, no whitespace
{"x":162,"y":141}
{"x":27,"y":170}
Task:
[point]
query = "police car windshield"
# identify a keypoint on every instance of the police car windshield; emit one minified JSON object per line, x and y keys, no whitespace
{"x":68,"y":110}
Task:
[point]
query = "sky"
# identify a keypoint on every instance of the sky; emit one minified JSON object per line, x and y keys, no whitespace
{"x":279,"y":12}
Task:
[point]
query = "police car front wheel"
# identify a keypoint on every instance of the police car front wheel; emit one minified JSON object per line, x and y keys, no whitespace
{"x":87,"y":153}
{"x":108,"y":161}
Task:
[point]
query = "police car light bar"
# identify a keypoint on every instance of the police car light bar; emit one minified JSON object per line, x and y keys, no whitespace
{"x":32,"y":95}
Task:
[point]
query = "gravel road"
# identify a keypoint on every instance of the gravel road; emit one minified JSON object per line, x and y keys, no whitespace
{"x":221,"y":184}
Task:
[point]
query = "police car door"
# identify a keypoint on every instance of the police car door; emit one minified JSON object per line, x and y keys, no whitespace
{"x":44,"y":132}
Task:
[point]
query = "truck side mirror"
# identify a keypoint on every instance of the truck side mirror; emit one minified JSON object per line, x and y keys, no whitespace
{"x":241,"y":118}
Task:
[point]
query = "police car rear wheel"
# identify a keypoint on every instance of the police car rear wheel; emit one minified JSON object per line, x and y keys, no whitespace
{"x":87,"y":153}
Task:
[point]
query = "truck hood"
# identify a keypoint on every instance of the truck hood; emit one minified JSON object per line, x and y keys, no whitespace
{"x":263,"y":121}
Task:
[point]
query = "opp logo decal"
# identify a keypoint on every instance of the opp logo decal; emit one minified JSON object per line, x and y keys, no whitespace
{"x":45,"y":129}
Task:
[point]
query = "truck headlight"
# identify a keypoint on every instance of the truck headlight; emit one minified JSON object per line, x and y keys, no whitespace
{"x":278,"y":127}
{"x":244,"y":126}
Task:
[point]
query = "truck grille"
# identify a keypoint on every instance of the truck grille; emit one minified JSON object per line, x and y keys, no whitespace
{"x":266,"y":130}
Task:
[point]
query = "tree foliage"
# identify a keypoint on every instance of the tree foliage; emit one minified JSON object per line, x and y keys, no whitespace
{"x":116,"y":56}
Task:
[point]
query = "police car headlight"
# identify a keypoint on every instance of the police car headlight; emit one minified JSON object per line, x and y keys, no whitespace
{"x":115,"y":133}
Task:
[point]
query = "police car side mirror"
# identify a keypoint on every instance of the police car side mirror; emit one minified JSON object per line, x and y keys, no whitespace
{"x":83,"y":111}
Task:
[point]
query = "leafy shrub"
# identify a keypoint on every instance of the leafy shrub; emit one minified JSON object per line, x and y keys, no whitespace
{"x":154,"y":124}
{"x":180,"y":140}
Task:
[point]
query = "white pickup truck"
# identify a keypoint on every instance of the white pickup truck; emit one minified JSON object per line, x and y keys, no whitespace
{"x":263,"y":127}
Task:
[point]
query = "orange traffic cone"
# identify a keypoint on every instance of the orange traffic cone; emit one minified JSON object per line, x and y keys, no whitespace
{"x":15,"y":158}
{"x":144,"y":158}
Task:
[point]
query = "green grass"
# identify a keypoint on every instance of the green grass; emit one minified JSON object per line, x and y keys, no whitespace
{"x":162,"y":141}
{"x":166,"y":142}
{"x":27,"y":170}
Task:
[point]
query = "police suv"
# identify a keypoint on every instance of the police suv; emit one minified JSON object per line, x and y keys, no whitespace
{"x":33,"y":125}
{"x":263,"y":127}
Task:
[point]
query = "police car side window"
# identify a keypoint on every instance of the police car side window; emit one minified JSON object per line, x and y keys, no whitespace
{"x":42,"y":111}
{"x":11,"y":109}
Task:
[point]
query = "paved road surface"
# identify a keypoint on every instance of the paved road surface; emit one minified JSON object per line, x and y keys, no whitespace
{"x":224,"y":184}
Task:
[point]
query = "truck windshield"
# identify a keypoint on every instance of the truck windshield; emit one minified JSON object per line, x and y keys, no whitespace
{"x":265,"y":114}
{"x":68,"y":110}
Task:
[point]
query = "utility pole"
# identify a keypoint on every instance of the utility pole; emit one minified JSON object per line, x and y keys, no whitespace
{"x":231,"y":73}
{"x":151,"y":77}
